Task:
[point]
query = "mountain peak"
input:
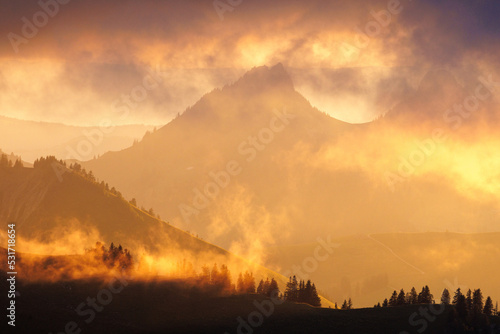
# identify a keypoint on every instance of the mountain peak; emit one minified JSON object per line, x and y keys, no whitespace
{"x":264,"y":77}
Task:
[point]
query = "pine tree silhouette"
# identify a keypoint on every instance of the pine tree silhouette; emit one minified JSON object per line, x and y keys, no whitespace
{"x":413,"y":296}
{"x":458,"y":293}
{"x":273,"y":289}
{"x":394,"y":299}
{"x":488,"y":306}
{"x":401,"y":300}
{"x":445,"y":297}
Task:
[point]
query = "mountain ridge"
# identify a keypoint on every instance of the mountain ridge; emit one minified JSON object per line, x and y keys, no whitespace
{"x":48,"y":138}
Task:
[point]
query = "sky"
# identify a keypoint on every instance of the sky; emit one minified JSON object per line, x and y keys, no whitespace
{"x":77,"y":62}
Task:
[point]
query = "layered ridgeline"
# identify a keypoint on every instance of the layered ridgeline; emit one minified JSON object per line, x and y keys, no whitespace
{"x":65,"y":141}
{"x":12,"y":159}
{"x":59,"y":211}
{"x":254,"y":163}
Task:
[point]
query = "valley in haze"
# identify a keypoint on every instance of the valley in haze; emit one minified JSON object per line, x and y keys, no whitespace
{"x":250,"y":167}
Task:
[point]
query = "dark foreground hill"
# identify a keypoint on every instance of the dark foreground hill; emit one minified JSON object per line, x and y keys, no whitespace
{"x":173,"y":307}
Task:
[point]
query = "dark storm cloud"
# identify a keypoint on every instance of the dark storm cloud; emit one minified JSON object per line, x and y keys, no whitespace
{"x":437,"y":31}
{"x":445,"y":31}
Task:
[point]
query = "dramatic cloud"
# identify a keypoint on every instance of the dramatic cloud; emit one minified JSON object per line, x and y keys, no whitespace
{"x":70,"y":66}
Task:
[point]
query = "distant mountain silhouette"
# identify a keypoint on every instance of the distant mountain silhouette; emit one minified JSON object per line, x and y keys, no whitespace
{"x":32,"y":140}
{"x":13,"y":158}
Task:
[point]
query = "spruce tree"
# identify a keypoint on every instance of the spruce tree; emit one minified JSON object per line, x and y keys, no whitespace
{"x":429,"y":298}
{"x":425,"y":296}
{"x":401,"y":300}
{"x":273,"y":288}
{"x":240,"y":288}
{"x":314,"y":298}
{"x":291,"y":291}
{"x":461,"y":306}
{"x":394,"y":299}
{"x":468,"y":300}
{"x":302,"y":293}
{"x":249,"y":282}
{"x":260,"y":287}
{"x":458,"y":293}
{"x":421,"y":297}
{"x":413,"y":296}
{"x":214,"y":274}
{"x":445,"y":297}
{"x":225,"y":278}
{"x":4,"y":162}
{"x":477,"y":301}
{"x":266,"y":286}
{"x":488,"y":306}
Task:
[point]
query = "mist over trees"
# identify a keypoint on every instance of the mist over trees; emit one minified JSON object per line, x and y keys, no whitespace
{"x":6,"y":163}
{"x":112,"y":257}
{"x":267,"y":287}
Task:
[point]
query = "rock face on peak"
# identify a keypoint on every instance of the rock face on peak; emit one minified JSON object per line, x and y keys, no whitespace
{"x":249,"y":102}
{"x":264,"y":77}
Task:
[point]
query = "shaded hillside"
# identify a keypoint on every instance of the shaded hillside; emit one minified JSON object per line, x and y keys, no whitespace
{"x":46,"y":199}
{"x":368,"y":268}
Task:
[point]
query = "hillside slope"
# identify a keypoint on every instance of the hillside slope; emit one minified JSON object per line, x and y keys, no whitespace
{"x":58,"y":211}
{"x":48,"y":199}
